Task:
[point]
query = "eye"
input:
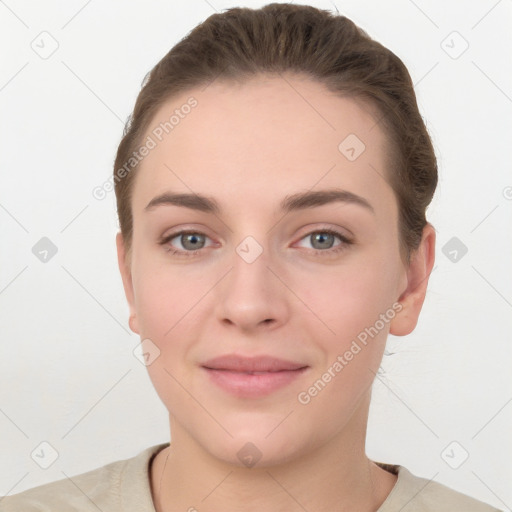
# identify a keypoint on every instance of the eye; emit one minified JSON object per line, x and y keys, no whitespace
{"x":190,"y":241}
{"x":324,"y":241}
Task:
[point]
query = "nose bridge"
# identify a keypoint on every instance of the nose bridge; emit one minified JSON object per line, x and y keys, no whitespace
{"x":251,"y":293}
{"x":250,"y":275}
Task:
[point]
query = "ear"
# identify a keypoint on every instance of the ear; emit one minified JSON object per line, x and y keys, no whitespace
{"x":126,"y":275}
{"x":417,"y":274}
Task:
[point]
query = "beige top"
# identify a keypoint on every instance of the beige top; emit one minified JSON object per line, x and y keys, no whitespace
{"x":124,"y":486}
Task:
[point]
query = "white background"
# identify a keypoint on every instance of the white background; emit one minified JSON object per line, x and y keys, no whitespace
{"x":67,"y":372}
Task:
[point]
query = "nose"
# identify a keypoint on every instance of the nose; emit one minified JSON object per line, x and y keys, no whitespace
{"x":252,"y":296}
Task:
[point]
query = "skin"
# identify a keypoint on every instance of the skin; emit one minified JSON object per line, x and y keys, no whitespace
{"x":248,"y":146}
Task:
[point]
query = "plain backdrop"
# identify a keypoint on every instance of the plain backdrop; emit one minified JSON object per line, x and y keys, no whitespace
{"x":442,"y":406}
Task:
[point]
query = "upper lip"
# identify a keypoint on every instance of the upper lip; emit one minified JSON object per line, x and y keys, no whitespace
{"x":238,"y":363}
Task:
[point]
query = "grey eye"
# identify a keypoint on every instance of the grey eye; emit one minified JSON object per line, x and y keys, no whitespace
{"x":322,"y":240}
{"x":192,"y":241}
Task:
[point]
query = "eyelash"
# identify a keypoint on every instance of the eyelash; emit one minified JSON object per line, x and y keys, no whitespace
{"x":345,"y":242}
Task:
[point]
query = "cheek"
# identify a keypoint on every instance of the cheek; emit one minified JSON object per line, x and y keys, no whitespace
{"x":152,"y":302}
{"x":349,"y":327}
{"x":165,"y":311}
{"x":164,"y":296}
{"x":348,"y":299}
{"x":349,"y":331}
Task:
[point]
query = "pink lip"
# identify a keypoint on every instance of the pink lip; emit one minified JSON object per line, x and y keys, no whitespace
{"x":252,"y":376}
{"x":238,"y":363}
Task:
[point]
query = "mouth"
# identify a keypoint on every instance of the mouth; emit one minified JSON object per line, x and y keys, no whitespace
{"x":253,"y":383}
{"x":252,"y":365}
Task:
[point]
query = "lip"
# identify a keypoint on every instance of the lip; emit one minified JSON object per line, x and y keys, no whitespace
{"x":252,"y":377}
{"x":265,"y":363}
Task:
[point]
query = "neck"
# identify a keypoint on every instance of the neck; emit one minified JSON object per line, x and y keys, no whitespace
{"x":336,"y":476}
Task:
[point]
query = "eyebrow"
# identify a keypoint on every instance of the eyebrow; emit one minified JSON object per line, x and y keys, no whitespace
{"x":294,"y":202}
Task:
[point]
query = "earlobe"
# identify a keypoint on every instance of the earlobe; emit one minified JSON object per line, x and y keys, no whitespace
{"x":418,"y":273}
{"x":126,"y":276}
{"x":132,"y":322}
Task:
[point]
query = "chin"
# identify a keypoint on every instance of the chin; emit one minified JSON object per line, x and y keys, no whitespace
{"x":253,"y":447}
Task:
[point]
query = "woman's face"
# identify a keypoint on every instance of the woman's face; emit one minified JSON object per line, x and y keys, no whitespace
{"x":263,"y":274}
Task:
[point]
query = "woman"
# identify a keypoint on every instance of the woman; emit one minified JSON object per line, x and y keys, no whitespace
{"x":271,"y":186}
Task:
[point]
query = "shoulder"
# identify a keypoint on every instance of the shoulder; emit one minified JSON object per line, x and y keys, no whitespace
{"x":103,"y":488}
{"x":416,"y":494}
{"x":82,"y":492}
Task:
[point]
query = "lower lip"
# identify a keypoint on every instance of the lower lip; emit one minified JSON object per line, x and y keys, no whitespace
{"x":255,"y":385}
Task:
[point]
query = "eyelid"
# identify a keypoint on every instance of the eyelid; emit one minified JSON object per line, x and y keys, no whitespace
{"x":326,"y":228}
{"x":185,"y":229}
{"x":166,"y":239}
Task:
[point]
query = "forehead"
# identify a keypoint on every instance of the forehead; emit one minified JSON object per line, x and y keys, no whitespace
{"x":271,"y":135}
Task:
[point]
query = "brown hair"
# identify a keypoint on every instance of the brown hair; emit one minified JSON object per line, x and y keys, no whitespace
{"x":328,"y":48}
